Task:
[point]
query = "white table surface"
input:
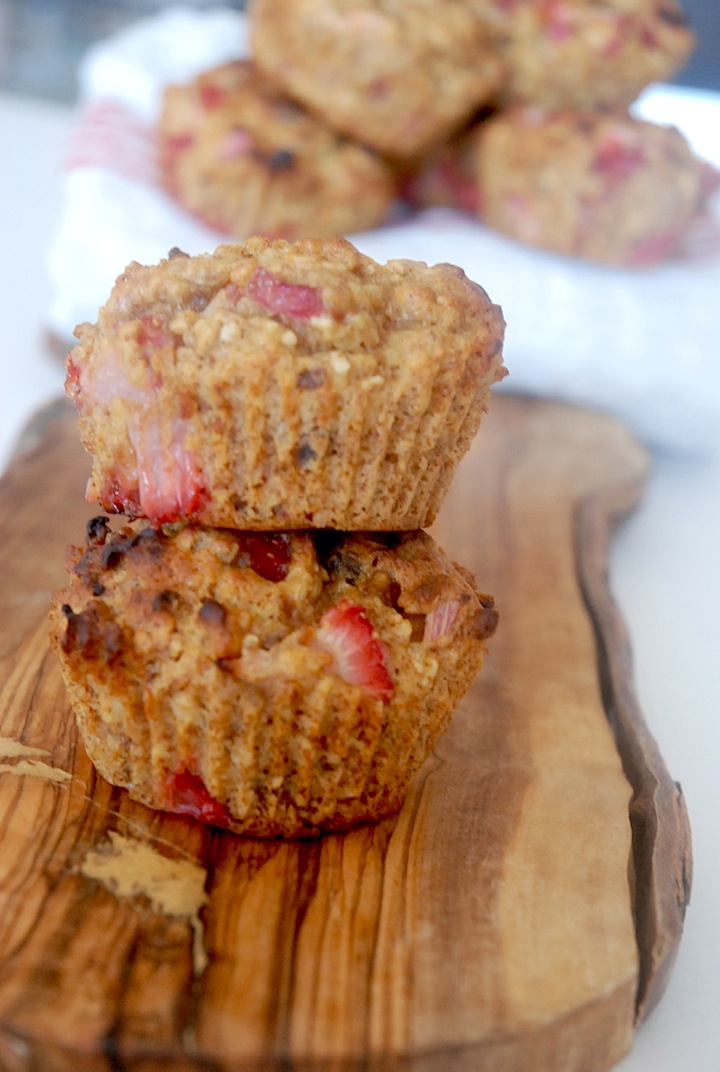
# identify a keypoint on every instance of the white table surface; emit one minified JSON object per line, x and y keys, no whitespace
{"x":664,"y":573}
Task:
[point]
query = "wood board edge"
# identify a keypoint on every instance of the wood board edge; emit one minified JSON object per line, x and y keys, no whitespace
{"x":661,"y":834}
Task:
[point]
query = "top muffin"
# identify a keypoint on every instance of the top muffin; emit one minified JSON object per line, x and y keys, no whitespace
{"x":277,"y":385}
{"x":395,"y":75}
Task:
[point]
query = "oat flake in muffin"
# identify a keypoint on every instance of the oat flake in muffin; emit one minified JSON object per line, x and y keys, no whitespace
{"x":276,"y":385}
{"x":274,"y":684}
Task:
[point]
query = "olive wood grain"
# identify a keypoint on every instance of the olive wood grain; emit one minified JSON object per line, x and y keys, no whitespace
{"x":524,"y":909}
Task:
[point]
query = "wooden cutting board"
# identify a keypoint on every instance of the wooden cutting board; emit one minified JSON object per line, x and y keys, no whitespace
{"x":523,"y":911}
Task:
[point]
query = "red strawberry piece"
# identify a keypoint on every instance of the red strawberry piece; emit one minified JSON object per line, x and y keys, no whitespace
{"x":440,"y":621}
{"x":346,"y":633}
{"x":268,"y":554}
{"x":379,"y":88}
{"x":118,"y":498}
{"x":237,"y":142}
{"x":558,"y":20}
{"x":153,"y":334}
{"x":211,"y":96}
{"x":72,"y":380}
{"x":178,"y":143}
{"x":649,"y":38}
{"x":618,"y":158}
{"x":169,"y":482}
{"x":187,"y":794}
{"x":285,"y":299}
{"x":613,"y":46}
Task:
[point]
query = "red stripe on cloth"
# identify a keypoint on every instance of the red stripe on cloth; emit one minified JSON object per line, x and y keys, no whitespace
{"x":110,"y":136}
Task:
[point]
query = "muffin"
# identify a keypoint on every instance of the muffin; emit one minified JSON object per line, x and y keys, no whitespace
{"x":274,"y":684}
{"x":245,"y":159}
{"x":601,"y":186}
{"x":447,"y":177}
{"x":575,"y":54}
{"x":276,"y":385}
{"x":395,"y":76}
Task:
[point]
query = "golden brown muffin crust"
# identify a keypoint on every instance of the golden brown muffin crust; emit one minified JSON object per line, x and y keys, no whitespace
{"x":276,"y":385}
{"x":300,"y":679}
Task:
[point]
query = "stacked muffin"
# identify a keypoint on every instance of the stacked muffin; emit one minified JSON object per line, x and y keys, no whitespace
{"x":513,"y":110}
{"x":559,"y":162}
{"x":270,"y":642}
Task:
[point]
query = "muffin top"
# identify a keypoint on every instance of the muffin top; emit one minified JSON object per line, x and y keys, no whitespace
{"x":207,"y":379}
{"x":315,"y":295}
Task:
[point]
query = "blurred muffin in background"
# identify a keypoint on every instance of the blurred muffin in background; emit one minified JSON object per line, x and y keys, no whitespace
{"x":597,"y":54}
{"x":242,"y":157}
{"x":397,"y":76}
{"x":599,"y":185}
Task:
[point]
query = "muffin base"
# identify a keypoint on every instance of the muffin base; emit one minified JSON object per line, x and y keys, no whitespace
{"x":270,"y":684}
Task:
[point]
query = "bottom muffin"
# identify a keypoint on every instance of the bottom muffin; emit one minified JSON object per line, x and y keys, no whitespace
{"x":274,"y":684}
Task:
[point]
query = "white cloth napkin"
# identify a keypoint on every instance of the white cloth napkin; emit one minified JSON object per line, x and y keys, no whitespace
{"x":642,"y":344}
